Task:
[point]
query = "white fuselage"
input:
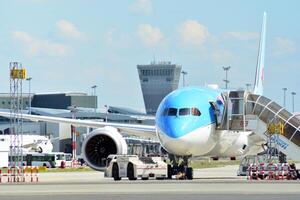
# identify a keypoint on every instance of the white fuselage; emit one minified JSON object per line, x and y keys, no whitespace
{"x":207,"y":141}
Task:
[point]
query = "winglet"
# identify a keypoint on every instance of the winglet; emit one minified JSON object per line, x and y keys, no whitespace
{"x":259,"y":77}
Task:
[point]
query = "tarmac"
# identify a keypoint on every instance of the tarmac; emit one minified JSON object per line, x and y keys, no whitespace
{"x":213,"y":183}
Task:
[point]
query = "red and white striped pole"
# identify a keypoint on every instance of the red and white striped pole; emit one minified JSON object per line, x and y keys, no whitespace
{"x":73,"y":142}
{"x":73,"y":131}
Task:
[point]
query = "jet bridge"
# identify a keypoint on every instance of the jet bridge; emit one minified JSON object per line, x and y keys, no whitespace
{"x":250,"y":112}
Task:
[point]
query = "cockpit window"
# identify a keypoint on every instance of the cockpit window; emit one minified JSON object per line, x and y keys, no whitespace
{"x":196,"y":112}
{"x":165,"y":112}
{"x":172,"y":112}
{"x":184,"y":111}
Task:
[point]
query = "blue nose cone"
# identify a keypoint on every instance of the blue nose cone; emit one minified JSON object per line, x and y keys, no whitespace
{"x":178,"y":126}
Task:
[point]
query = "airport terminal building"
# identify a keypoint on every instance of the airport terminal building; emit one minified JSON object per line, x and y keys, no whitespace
{"x":58,"y":105}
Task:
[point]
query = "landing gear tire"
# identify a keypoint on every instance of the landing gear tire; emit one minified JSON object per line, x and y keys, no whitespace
{"x":181,"y":171}
{"x":145,"y":178}
{"x":189,"y":173}
{"x":115,"y":172}
{"x":130,"y":172}
{"x":170,"y":171}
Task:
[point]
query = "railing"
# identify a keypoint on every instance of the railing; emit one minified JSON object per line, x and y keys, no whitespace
{"x":268,"y":111}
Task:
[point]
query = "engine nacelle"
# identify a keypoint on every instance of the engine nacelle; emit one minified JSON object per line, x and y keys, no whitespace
{"x":99,"y":144}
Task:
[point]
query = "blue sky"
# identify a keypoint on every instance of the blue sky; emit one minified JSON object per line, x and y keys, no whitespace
{"x":71,"y":45}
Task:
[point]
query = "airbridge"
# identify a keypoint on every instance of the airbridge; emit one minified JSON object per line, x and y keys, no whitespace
{"x":249,"y":112}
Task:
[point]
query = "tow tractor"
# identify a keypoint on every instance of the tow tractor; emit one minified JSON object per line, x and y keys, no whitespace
{"x":133,"y":167}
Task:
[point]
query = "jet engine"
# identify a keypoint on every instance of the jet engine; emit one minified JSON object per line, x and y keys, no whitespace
{"x":99,"y":144}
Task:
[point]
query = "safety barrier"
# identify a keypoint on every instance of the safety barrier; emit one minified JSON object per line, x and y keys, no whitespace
{"x":74,"y":163}
{"x":252,"y":172}
{"x":271,"y":171}
{"x":16,"y":174}
{"x":5,"y":174}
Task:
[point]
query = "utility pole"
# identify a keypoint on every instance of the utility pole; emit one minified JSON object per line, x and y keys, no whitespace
{"x":184,"y":73}
{"x":226,"y":69}
{"x":284,"y":96}
{"x":293,"y":100}
{"x":29,"y":94}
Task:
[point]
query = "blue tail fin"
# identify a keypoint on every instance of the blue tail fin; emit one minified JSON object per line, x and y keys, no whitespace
{"x":259,"y":77}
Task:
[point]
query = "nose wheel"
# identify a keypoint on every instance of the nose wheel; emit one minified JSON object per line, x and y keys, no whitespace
{"x":180,"y":171}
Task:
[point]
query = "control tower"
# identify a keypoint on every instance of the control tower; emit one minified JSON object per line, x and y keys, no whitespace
{"x":157,"y":80}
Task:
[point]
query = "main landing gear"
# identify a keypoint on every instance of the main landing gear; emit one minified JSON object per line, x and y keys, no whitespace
{"x":182,"y":170}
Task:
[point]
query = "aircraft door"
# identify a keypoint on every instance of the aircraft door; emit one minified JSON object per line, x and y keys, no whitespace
{"x":219,"y":110}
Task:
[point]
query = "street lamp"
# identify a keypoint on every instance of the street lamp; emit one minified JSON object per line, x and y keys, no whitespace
{"x":248,"y":86}
{"x":284,"y":95}
{"x":293,"y":100}
{"x":94,"y":94}
{"x":184,"y":73}
{"x":106,"y":111}
{"x":29,"y":93}
{"x":226,"y":69}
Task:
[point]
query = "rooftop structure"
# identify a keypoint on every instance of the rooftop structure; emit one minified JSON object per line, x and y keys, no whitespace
{"x":157,"y":80}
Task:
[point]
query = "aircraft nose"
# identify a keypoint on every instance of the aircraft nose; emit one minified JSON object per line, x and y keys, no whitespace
{"x":175,"y":127}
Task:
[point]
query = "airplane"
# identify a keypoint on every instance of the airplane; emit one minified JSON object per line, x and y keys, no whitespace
{"x":33,"y":143}
{"x":188,"y":123}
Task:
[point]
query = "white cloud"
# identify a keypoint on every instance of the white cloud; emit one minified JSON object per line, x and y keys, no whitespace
{"x":193,"y":33}
{"x":35,"y":46}
{"x":150,"y":36}
{"x":141,"y":7}
{"x":243,"y":35}
{"x":68,"y":30}
{"x":284,"y":46}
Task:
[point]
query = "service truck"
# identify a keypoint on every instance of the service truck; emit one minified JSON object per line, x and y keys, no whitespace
{"x":133,"y":167}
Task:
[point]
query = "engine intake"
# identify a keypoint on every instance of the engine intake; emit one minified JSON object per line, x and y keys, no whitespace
{"x":99,"y":144}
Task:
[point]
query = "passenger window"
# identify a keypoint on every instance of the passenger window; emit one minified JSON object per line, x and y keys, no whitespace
{"x":196,"y":112}
{"x":184,"y":111}
{"x":172,"y":112}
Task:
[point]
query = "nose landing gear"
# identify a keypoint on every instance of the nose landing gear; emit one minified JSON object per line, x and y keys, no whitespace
{"x":182,"y":170}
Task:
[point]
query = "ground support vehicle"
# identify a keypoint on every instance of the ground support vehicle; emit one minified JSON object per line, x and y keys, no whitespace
{"x":133,"y":167}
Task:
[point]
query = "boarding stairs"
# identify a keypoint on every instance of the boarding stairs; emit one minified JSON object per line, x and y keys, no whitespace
{"x":245,"y":111}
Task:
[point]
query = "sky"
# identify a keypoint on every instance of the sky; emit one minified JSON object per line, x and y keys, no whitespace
{"x":71,"y":45}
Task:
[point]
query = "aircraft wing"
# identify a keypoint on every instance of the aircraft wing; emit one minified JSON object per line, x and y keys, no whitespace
{"x":138,"y":130}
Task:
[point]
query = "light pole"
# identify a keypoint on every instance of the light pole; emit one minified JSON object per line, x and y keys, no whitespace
{"x":94,"y":94}
{"x":184,"y":73}
{"x":226,"y":69}
{"x":284,"y":95}
{"x":29,"y":93}
{"x":248,"y":86}
{"x":293,"y":100}
{"x":106,"y":111}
